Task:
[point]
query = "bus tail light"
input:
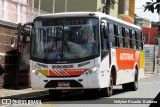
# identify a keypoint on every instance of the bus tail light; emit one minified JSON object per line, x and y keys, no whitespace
{"x":36,"y":72}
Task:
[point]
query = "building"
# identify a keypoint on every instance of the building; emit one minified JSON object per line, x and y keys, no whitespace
{"x":13,"y":12}
{"x":126,"y":10}
{"x":143,"y":22}
{"x":55,"y":6}
{"x":150,"y":36}
{"x":150,"y":32}
{"x":123,"y":9}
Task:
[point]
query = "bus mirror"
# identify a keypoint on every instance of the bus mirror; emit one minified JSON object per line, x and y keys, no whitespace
{"x":27,"y":30}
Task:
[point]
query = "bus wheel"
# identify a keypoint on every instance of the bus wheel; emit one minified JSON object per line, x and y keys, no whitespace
{"x":134,"y":85}
{"x":108,"y":91}
{"x":55,"y":94}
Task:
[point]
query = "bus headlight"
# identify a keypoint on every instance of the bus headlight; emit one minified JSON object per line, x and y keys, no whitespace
{"x":36,"y":72}
{"x":92,"y":70}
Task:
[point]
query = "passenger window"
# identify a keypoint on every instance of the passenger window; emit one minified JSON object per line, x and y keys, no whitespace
{"x":133,"y":39}
{"x":112,"y":36}
{"x":139,"y":36}
{"x":127,"y":38}
{"x":120,"y":37}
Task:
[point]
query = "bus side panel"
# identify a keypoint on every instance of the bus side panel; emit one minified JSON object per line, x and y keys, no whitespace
{"x":125,"y":61}
{"x":104,"y":72}
{"x":141,"y":68}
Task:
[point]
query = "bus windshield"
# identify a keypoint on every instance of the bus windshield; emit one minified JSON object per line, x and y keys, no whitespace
{"x":69,"y":39}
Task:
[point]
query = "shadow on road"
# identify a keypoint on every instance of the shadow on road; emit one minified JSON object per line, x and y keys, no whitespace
{"x":157,"y":99}
{"x":79,"y":96}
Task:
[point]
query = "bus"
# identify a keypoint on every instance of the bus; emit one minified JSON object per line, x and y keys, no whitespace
{"x":88,"y":51}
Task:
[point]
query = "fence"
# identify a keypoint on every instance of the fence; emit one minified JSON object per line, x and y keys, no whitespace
{"x":151,"y":51}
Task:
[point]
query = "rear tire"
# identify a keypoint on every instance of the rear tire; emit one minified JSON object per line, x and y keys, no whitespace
{"x":55,"y":94}
{"x":108,"y":91}
{"x":134,"y":85}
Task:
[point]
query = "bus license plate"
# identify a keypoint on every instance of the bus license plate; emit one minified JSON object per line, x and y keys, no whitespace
{"x":63,"y":84}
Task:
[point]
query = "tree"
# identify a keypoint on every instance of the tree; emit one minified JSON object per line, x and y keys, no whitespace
{"x":153,"y":5}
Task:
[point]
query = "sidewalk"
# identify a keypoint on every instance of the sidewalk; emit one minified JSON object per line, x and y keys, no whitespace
{"x":33,"y":94}
{"x":22,"y":93}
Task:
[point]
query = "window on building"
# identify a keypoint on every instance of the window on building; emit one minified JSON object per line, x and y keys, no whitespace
{"x":145,"y":37}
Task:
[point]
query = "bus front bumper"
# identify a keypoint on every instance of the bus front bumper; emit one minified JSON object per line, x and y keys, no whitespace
{"x":85,"y":81}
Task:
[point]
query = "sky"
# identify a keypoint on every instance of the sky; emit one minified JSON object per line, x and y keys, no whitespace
{"x":139,"y":10}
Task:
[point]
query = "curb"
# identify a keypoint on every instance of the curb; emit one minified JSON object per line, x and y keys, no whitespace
{"x":32,"y":95}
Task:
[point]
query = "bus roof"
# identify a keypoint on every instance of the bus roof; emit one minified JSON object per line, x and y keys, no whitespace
{"x":86,"y":14}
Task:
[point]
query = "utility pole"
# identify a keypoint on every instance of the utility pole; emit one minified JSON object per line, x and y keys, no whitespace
{"x":106,"y":8}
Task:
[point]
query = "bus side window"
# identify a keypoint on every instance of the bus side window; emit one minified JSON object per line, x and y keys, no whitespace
{"x":139,"y":40}
{"x":136,"y":37}
{"x":133,"y":39}
{"x":123,"y":36}
{"x":130,"y":39}
{"x":127,"y":38}
{"x":112,"y":35}
{"x":116,"y":35}
{"x":120,"y":37}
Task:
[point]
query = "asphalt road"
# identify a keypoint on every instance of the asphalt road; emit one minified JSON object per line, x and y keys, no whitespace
{"x":148,"y":89}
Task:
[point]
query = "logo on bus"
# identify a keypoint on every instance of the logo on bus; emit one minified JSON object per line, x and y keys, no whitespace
{"x":126,"y":56}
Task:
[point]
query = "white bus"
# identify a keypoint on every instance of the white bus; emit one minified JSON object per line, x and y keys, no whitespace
{"x":88,"y":51}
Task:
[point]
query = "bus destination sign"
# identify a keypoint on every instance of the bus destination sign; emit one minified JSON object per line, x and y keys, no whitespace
{"x":58,"y":22}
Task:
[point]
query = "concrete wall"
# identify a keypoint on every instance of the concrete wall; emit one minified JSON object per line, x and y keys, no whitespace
{"x":126,"y":10}
{"x":45,"y":4}
{"x":75,"y":5}
{"x":114,"y":11}
{"x":7,"y":56}
{"x":59,"y":6}
{"x":146,"y":24}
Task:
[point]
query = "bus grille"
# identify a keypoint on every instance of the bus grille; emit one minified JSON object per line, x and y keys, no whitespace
{"x":54,"y":83}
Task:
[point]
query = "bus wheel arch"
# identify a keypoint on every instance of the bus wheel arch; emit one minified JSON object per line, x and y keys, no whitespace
{"x":108,"y":91}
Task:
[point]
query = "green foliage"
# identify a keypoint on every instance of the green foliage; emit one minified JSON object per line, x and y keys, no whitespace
{"x":152,"y":6}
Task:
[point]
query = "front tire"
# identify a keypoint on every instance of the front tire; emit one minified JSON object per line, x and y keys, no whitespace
{"x":108,"y":91}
